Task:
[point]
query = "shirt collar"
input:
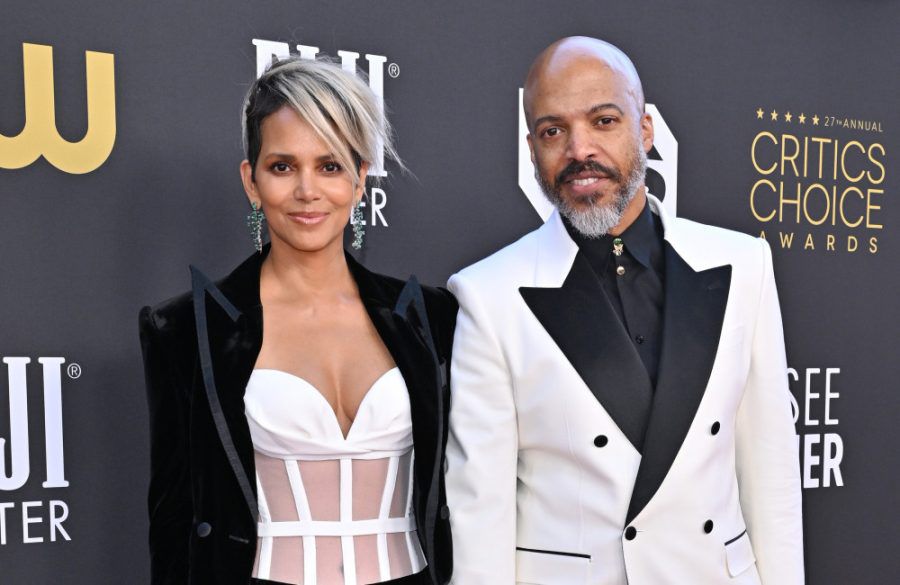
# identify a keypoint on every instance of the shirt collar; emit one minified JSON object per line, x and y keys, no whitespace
{"x":639,"y":239}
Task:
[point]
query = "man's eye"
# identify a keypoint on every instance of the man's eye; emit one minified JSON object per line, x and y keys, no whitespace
{"x":605,"y":120}
{"x":552,"y":131}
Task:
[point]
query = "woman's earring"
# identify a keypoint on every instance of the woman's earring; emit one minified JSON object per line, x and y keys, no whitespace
{"x":255,"y":220}
{"x":359,"y":230}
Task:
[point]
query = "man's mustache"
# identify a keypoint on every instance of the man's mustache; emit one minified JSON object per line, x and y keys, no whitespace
{"x":579,"y":166}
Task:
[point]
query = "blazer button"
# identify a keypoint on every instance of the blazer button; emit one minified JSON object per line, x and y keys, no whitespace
{"x":600,"y":441}
{"x":445,"y":512}
{"x":708,"y":526}
{"x":203,"y":529}
{"x":715,"y":428}
{"x":630,"y":533}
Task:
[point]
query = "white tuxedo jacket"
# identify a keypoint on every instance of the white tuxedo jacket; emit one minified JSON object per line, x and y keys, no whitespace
{"x":565,"y":465}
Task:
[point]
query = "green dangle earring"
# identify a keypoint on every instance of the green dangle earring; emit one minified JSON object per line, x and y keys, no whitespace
{"x":255,"y":220}
{"x":359,"y":230}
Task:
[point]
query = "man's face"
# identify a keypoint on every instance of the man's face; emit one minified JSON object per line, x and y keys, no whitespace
{"x":588,"y":141}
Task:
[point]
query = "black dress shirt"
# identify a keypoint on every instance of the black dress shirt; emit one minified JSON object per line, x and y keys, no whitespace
{"x":634,"y":282}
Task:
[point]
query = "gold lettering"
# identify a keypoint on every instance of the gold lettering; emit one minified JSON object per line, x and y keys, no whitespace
{"x":852,"y":243}
{"x":871,"y":207}
{"x":829,"y":242}
{"x":809,"y":245}
{"x":789,"y":158}
{"x":40,"y":135}
{"x":759,"y":169}
{"x":876,"y":163}
{"x":841,"y":206}
{"x":786,"y":239}
{"x":810,"y":189}
{"x":753,"y":199}
{"x":847,"y":176}
{"x":782,"y":201}
{"x":873,"y":245}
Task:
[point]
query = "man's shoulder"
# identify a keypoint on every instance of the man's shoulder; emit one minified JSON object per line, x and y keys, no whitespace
{"x":506,"y":265}
{"x":714,"y":242}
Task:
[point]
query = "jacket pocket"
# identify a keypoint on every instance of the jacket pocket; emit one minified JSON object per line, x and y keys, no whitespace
{"x":546,"y":567}
{"x":739,"y":554}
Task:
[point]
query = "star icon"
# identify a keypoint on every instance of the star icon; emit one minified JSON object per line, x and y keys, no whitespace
{"x":815,"y":120}
{"x":787,"y":117}
{"x":774,"y":116}
{"x":759,"y":113}
{"x":802,"y":118}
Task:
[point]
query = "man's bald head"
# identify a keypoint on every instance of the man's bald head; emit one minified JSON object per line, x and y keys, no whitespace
{"x":553,"y":64}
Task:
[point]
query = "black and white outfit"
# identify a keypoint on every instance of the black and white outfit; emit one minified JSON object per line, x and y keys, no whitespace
{"x":252,"y":479}
{"x":623,"y":418}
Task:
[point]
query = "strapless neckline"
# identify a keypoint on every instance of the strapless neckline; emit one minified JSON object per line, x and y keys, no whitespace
{"x":304,"y":383}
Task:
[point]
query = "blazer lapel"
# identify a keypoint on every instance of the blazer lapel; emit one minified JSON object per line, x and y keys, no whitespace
{"x":583,"y":324}
{"x":228,"y":319}
{"x":402,"y":324}
{"x":692,"y":324}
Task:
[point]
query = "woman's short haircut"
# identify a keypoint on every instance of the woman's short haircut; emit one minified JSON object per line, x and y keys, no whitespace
{"x":339,"y":106}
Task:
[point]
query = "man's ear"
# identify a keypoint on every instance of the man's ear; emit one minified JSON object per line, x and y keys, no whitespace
{"x":647,"y":133}
{"x":530,"y":146}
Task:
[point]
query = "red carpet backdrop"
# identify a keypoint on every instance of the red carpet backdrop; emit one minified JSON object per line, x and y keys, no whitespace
{"x":119,"y":153}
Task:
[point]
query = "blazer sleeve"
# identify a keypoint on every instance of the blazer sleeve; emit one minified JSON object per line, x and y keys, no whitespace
{"x":767,"y":454}
{"x":169,"y":497}
{"x":482,"y":449}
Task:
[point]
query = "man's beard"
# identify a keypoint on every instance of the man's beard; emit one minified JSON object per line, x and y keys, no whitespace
{"x":590,"y":217}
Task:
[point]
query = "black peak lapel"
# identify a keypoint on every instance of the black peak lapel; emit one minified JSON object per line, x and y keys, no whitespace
{"x":692,"y":324}
{"x":223,"y":343}
{"x":584,"y":325}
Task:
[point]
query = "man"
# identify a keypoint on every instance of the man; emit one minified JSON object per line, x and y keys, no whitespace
{"x":620,"y":411}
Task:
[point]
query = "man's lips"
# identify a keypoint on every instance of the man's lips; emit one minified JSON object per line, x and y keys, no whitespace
{"x":308,"y":217}
{"x":585,"y":183}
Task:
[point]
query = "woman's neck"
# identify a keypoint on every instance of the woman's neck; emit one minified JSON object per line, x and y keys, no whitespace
{"x":291,"y":274}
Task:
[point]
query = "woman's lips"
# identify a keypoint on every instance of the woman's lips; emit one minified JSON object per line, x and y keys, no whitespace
{"x":308,"y":217}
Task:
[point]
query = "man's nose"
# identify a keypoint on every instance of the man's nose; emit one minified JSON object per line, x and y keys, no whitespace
{"x":581,"y":145}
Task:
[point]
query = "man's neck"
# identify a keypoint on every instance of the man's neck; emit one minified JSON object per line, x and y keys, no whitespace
{"x":632,"y":212}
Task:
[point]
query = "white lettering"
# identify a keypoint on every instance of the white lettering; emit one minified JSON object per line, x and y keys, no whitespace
{"x":3,"y":508}
{"x":27,"y":520}
{"x":56,"y":521}
{"x":810,"y":394}
{"x":17,"y":475}
{"x":379,"y":201}
{"x":829,"y":395}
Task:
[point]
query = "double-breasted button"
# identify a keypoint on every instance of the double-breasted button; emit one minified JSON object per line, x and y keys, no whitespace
{"x":204,"y":529}
{"x":445,"y":512}
{"x":639,"y":339}
{"x":630,"y":533}
{"x":715,"y":428}
{"x":600,"y":441}
{"x":620,"y":270}
{"x":708,"y":526}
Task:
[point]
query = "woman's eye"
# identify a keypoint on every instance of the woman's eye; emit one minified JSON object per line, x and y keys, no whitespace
{"x":281,"y":167}
{"x":331,"y":167}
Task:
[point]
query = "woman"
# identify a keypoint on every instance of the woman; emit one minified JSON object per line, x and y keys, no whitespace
{"x":286,"y":398}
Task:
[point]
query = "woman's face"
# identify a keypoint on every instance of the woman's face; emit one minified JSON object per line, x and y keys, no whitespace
{"x":304,"y":192}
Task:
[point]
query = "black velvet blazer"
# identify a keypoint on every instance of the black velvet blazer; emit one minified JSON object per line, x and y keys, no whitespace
{"x":199,"y":350}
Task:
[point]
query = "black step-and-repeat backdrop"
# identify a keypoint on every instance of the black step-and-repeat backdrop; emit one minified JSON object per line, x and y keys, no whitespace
{"x":119,"y":153}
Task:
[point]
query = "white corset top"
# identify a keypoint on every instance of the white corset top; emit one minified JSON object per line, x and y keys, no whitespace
{"x":332,"y":509}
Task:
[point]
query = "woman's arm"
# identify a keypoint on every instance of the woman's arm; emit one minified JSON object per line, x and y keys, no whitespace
{"x":169,"y":498}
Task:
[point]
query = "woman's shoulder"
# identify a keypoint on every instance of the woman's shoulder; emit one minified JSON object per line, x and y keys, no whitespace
{"x":170,"y":318}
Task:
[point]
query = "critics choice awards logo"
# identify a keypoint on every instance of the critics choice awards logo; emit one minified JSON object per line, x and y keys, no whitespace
{"x":39,"y":135}
{"x":33,"y":521}
{"x":819,"y":181}
{"x":376,"y":198}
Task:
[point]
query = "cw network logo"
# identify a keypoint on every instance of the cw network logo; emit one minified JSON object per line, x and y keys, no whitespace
{"x":662,"y":165}
{"x":267,"y":50}
{"x":40,"y":137}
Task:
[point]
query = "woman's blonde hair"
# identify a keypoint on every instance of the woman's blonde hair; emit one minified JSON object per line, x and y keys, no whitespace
{"x":339,"y":106}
